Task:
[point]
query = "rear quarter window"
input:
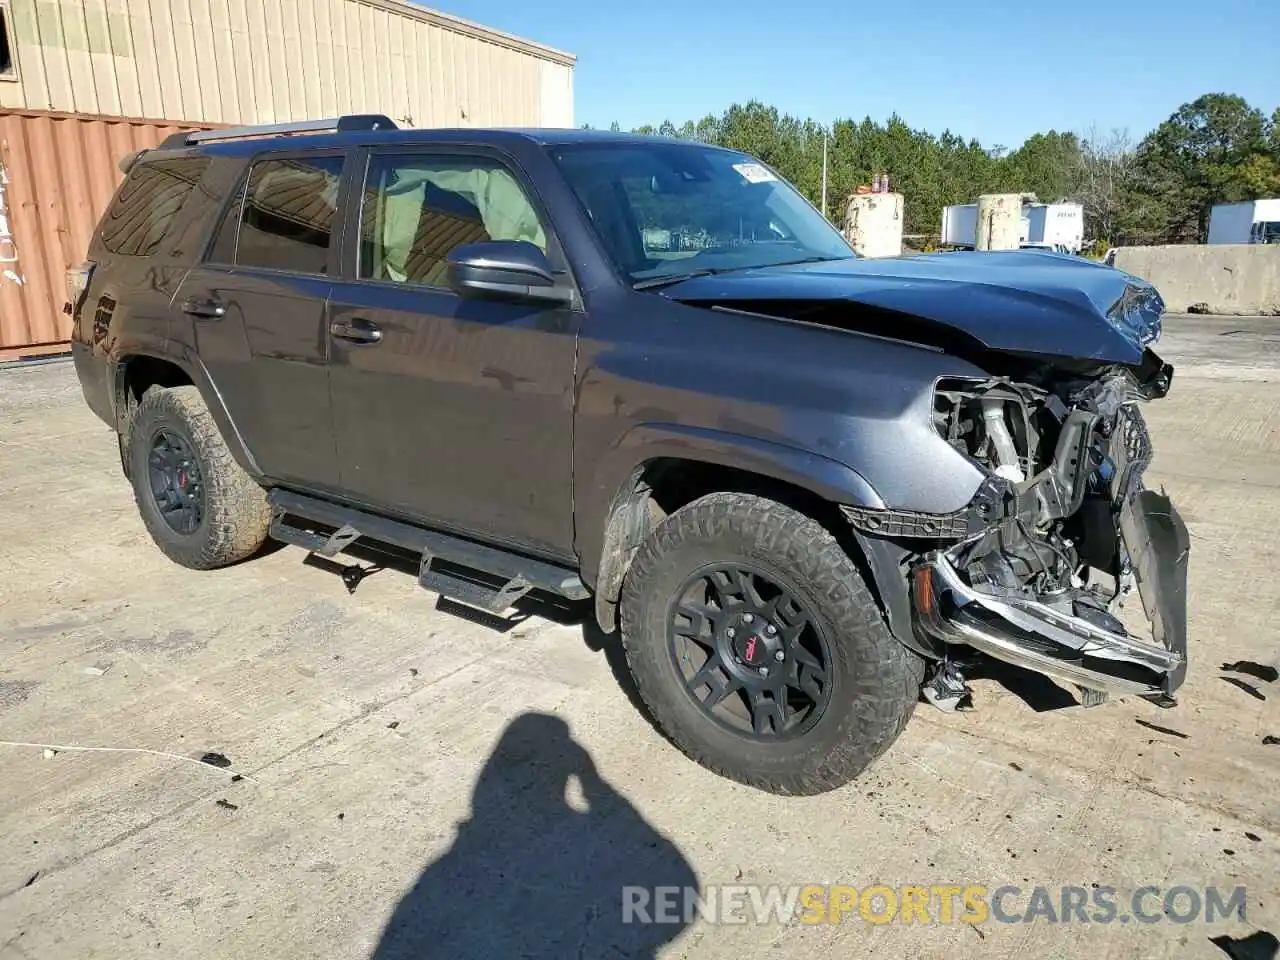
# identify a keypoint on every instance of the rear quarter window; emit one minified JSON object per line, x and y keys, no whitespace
{"x":147,"y":204}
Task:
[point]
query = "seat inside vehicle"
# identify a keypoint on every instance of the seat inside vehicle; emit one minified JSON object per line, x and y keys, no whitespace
{"x":444,"y":219}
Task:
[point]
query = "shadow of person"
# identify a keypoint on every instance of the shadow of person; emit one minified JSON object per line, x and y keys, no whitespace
{"x":539,"y":869}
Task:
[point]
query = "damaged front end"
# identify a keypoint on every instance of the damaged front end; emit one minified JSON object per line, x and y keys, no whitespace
{"x":1035,"y":570}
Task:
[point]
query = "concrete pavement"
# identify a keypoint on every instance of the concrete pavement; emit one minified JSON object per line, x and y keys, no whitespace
{"x":490,"y":793}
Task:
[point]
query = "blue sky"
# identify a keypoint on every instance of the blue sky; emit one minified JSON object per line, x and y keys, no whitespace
{"x":998,"y":70}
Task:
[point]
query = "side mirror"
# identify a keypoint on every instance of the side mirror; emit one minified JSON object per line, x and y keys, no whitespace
{"x":505,"y":270}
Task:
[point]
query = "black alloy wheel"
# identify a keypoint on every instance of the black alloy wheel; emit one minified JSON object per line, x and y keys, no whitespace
{"x":809,"y":687}
{"x":177,"y":486}
{"x":751,"y":656}
{"x":198,"y":504}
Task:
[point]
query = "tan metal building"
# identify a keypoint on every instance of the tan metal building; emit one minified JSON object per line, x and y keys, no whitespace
{"x":84,"y":81}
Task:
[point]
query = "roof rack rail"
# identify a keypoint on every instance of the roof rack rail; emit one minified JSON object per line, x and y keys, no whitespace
{"x":361,"y":121}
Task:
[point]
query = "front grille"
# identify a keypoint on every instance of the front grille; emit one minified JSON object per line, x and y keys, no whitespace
{"x":1130,"y":451}
{"x":1137,"y":440}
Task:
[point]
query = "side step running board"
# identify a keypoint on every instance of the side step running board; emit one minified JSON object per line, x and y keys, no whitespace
{"x":519,"y":574}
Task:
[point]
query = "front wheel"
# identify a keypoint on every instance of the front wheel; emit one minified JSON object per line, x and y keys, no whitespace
{"x":758,"y":649}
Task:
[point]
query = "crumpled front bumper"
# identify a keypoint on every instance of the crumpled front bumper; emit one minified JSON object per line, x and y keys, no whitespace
{"x":1155,"y":544}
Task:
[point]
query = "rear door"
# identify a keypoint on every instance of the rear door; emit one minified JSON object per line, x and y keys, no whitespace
{"x":449,"y":410}
{"x":255,"y":310}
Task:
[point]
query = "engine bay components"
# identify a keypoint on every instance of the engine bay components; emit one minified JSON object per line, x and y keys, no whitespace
{"x":1038,"y":571}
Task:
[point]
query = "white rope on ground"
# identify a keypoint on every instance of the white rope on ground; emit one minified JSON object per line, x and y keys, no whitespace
{"x":71,"y":748}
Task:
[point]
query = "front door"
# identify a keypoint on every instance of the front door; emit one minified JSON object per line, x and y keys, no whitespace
{"x":451,"y":411}
{"x":256,"y":314}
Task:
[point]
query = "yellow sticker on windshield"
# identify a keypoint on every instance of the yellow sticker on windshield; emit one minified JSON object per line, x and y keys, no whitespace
{"x":755,"y":172}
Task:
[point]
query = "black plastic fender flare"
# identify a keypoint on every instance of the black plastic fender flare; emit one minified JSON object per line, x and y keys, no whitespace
{"x":620,"y":524}
{"x":190,"y":364}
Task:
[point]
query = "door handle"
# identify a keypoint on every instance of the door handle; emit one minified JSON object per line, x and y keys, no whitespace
{"x":356,"y":331}
{"x":205,"y":308}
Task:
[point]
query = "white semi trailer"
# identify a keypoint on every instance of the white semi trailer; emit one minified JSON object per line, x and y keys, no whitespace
{"x":1253,"y":221}
{"x":960,"y":225}
{"x":1049,"y":226}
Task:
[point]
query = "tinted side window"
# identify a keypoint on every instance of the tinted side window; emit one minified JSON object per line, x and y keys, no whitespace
{"x":288,"y":214}
{"x":147,"y":203}
{"x":223,"y":249}
{"x":416,"y":209}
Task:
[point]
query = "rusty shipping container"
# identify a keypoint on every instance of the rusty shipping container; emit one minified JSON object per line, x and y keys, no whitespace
{"x":58,"y":172}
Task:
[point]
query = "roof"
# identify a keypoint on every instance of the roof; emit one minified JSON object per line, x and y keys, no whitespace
{"x":248,"y":144}
{"x":559,"y":137}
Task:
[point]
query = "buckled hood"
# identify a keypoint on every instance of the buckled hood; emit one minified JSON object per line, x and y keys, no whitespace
{"x":1020,"y":301}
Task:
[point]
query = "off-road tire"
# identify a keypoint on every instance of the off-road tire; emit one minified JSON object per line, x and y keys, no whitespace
{"x":236,"y":514}
{"x":877,"y":679}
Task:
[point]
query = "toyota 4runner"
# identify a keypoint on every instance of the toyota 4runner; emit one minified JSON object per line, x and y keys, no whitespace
{"x":805,"y":486}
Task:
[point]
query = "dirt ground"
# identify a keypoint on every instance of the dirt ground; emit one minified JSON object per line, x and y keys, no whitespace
{"x":404,"y":782}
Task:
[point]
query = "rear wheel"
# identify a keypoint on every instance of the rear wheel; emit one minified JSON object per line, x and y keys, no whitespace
{"x":201,"y":509}
{"x":759,"y":650}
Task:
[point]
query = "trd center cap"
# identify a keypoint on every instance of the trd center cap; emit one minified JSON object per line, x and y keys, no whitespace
{"x":756,"y":649}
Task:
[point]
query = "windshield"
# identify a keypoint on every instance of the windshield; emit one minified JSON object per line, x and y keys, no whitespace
{"x":670,"y":209}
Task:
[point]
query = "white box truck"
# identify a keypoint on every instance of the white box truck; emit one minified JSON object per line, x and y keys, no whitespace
{"x":1055,"y":225}
{"x":1045,"y":226}
{"x":1252,"y":221}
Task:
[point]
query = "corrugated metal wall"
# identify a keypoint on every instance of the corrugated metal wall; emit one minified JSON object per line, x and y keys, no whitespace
{"x":264,"y":61}
{"x":57,"y":175}
{"x":211,"y":62}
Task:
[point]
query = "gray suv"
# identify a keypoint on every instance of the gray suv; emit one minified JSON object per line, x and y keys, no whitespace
{"x":644,"y":373}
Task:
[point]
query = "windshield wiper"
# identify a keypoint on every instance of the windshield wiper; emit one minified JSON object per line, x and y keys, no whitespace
{"x":792,"y":263}
{"x":650,"y":283}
